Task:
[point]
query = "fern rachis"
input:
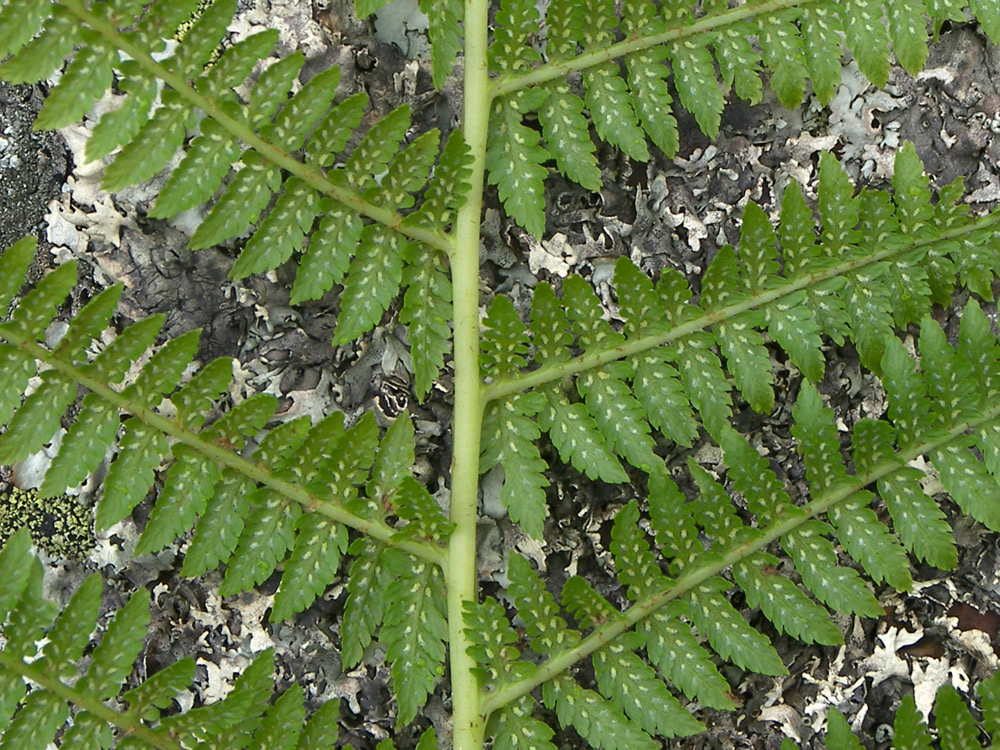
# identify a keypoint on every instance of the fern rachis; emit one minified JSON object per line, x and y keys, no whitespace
{"x":384,"y":214}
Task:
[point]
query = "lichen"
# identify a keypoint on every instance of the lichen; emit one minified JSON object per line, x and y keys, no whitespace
{"x":60,"y":525}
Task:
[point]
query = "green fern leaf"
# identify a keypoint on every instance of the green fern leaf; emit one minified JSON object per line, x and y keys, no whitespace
{"x":300,"y":114}
{"x":567,"y":136}
{"x":694,"y":76}
{"x":320,"y":732}
{"x":111,"y":365}
{"x":87,"y":732}
{"x":967,"y":481}
{"x":36,"y":310}
{"x":334,"y":131}
{"x":372,"y":283}
{"x":918,"y":520}
{"x":71,"y":630}
{"x":910,"y":730}
{"x":611,"y":111}
{"x":784,"y":604}
{"x":417,"y":654}
{"x":15,"y":558}
{"x":988,"y":16}
{"x":84,"y":446}
{"x":596,"y":719}
{"x":412,"y":502}
{"x":121,"y":644}
{"x":679,"y":656}
{"x":586,"y":605}
{"x":202,"y":170}
{"x":730,"y":635}
{"x":88,"y":324}
{"x":511,"y":50}
{"x":671,"y":520}
{"x":266,"y":538}
{"x":83,"y":82}
{"x":838,"y":733}
{"x":189,"y":483}
{"x":312,"y":566}
{"x":635,"y":688}
{"x":156,"y":143}
{"x":869,"y":541}
{"x":37,"y":420}
{"x":200,"y":393}
{"x":366,"y":601}
{"x":220,"y":524}
{"x":18,"y":24}
{"x":977,"y":347}
{"x":989,"y":701}
{"x":373,"y":153}
{"x":16,"y":369}
{"x":950,"y":382}
{"x":395,"y":458}
{"x":132,"y":472}
{"x":909,"y":407}
{"x":119,"y":126}
{"x":329,"y":253}
{"x":14,"y":263}
{"x":867,"y":38}
{"x":784,"y":54}
{"x":426,"y":311}
{"x":647,"y":76}
{"x":35,"y":724}
{"x":546,"y":629}
{"x":739,"y":62}
{"x":818,"y":442}
{"x":160,"y":690}
{"x":202,"y":39}
{"x":446,"y":189}
{"x":491,"y":640}
{"x":838,"y":587}
{"x":509,"y":435}
{"x":908,"y":30}
{"x":514,"y":164}
{"x":575,"y":435}
{"x":445,"y":35}
{"x":704,"y":380}
{"x":515,"y":729}
{"x":954,"y":721}
{"x":45,"y":53}
{"x":821,"y":30}
{"x":240,"y":205}
{"x":282,"y":724}
{"x":281,"y":233}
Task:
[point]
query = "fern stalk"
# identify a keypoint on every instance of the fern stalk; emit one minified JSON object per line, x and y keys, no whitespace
{"x":467,"y":416}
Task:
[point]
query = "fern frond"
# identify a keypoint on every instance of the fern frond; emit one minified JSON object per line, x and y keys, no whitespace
{"x":800,"y":42}
{"x":50,"y":666}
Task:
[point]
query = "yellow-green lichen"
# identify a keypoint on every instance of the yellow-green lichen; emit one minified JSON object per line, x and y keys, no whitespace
{"x":60,"y":525}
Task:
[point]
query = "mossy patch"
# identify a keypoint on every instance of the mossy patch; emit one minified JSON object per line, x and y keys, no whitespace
{"x":60,"y":525}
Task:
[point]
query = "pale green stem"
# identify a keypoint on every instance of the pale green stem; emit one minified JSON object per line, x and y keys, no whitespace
{"x":467,"y":417}
{"x":604,"y":634}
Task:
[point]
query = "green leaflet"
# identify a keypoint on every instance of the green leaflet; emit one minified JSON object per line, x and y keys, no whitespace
{"x":281,"y":233}
{"x":329,"y":252}
{"x":838,"y":733}
{"x":910,"y":729}
{"x":515,"y":727}
{"x":445,"y":34}
{"x":509,"y":436}
{"x":739,"y":62}
{"x":240,"y":205}
{"x":83,"y":447}
{"x":37,"y":420}
{"x":131,"y":473}
{"x":372,"y":282}
{"x":417,"y":654}
{"x":546,"y":629}
{"x":514,"y":164}
{"x":635,"y":688}
{"x":567,"y":136}
{"x":697,"y":87}
{"x":190,"y":481}
{"x":366,"y":601}
{"x":867,"y":38}
{"x":784,"y":53}
{"x":821,"y":28}
{"x":426,"y":311}
{"x":576,"y":436}
{"x":610,"y":106}
{"x":596,"y":719}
